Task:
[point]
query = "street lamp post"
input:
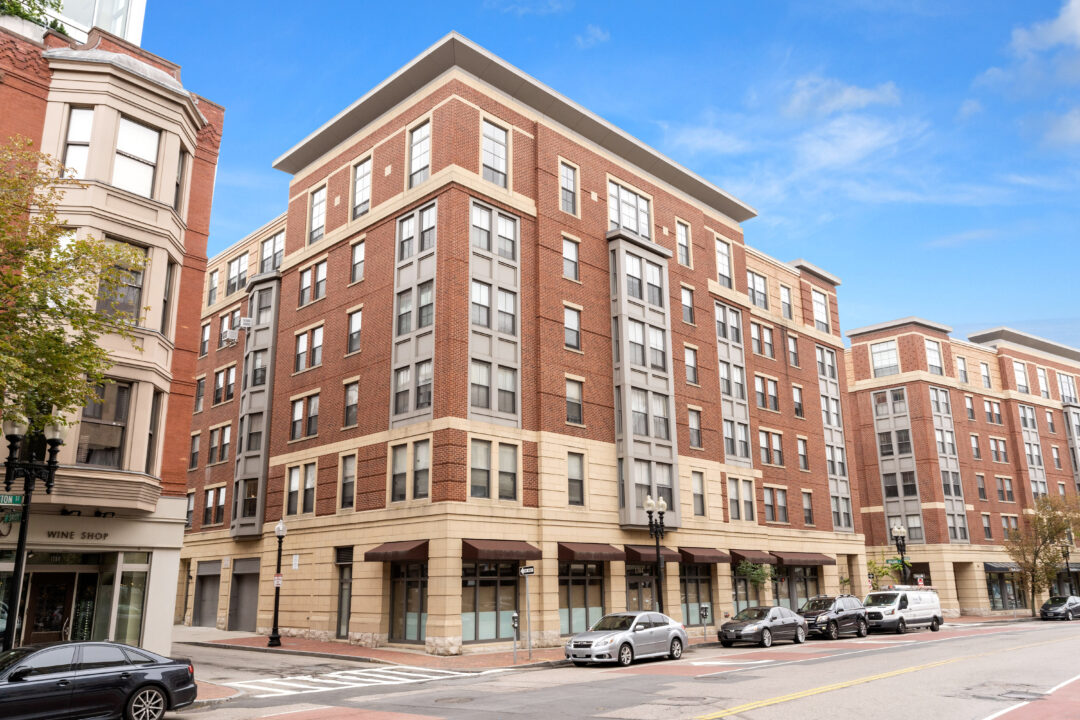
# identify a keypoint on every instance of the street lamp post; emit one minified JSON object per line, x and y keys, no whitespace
{"x":656,"y":530}
{"x":899,"y":536}
{"x":30,"y":471}
{"x":275,"y":636}
{"x":1068,"y":569}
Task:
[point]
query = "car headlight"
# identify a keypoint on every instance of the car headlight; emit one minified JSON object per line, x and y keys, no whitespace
{"x":820,"y":619}
{"x":751,"y":628}
{"x":605,"y":640}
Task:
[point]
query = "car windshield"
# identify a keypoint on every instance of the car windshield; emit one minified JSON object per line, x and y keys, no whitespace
{"x":816,"y":605}
{"x":880,"y":599}
{"x":754,"y":613}
{"x":1057,"y":600}
{"x":614,"y":622}
{"x":10,"y":658}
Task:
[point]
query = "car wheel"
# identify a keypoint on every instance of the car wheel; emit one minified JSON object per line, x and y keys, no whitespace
{"x":626,"y":655}
{"x":676,"y":649}
{"x":861,"y":629}
{"x":934,"y":625}
{"x":146,"y":703}
{"x":832,"y":631}
{"x":727,"y":643}
{"x":901,"y":627}
{"x":800,"y":635}
{"x":766,"y":638}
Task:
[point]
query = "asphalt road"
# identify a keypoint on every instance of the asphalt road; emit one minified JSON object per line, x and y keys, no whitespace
{"x":973,"y":672}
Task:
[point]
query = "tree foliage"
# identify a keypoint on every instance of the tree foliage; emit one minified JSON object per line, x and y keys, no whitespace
{"x":1036,"y":545}
{"x":30,"y":9}
{"x":757,"y":574}
{"x":883,"y":572}
{"x":58,"y":294}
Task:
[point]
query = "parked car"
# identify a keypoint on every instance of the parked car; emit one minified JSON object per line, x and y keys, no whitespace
{"x":1060,"y":607}
{"x":829,"y":616}
{"x":900,"y":607}
{"x":92,"y":679}
{"x":763,"y":625}
{"x":625,"y":637}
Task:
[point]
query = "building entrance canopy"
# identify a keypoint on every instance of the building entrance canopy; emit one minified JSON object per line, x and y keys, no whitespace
{"x":403,"y":551}
{"x":647,"y":554}
{"x":499,"y":550}
{"x":803,"y":558}
{"x":589,"y":552}
{"x":758,"y":557}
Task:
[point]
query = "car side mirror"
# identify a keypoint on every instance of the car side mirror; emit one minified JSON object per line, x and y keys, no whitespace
{"x":19,"y":673}
{"x":637,"y":628}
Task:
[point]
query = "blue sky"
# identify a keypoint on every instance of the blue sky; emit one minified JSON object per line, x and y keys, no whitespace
{"x":928,"y":153}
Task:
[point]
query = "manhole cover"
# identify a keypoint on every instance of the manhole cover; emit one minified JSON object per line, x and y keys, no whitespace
{"x":454,"y":700}
{"x":1022,"y":695}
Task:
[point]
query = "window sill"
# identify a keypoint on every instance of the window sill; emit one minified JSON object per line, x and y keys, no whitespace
{"x":693,"y":384}
{"x":772,"y":465}
{"x":805,"y":470}
{"x":777,"y":522}
{"x":579,"y":425}
{"x":691,"y":323}
{"x":762,"y":355}
{"x":354,"y":352}
{"x":302,"y":439}
{"x":310,"y":303}
{"x":219,"y":462}
{"x":307,"y":369}
{"x":350,"y":427}
{"x":573,"y":350}
{"x":578,"y":282}
{"x":697,"y":447}
{"x":766,"y":409}
{"x":355,"y":282}
{"x":223,"y":402}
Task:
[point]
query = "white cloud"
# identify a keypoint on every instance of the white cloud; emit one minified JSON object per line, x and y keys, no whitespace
{"x":968,"y":108}
{"x":594,"y":35}
{"x":705,"y":138}
{"x":1064,"y":129}
{"x":1062,"y":30}
{"x":967,"y":237}
{"x":816,"y":95}
{"x":849,"y":139}
{"x":529,"y":7}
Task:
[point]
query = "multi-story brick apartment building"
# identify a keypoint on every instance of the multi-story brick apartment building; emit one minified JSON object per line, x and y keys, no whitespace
{"x":503,"y":322}
{"x":105,"y":545}
{"x":954,"y":440}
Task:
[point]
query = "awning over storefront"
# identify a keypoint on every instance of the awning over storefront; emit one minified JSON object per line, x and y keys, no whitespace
{"x":647,"y":554}
{"x":703,"y":556}
{"x":759,"y":557}
{"x":1005,"y":567}
{"x":589,"y":552}
{"x":403,"y":551}
{"x":498,"y":550}
{"x":803,"y":558}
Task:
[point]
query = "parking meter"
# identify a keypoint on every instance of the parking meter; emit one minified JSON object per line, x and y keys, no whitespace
{"x":703,"y":611}
{"x":514,"y":622}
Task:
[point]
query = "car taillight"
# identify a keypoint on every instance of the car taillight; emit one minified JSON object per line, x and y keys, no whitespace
{"x":191,"y":671}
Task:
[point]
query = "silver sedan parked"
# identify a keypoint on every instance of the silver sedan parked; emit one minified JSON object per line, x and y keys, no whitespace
{"x":623,"y":637}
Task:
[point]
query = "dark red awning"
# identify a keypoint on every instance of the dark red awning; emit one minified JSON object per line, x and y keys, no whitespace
{"x":758,"y":557}
{"x":703,"y":556}
{"x":647,"y":554}
{"x":589,"y":552}
{"x":402,"y":551}
{"x":498,"y":550}
{"x":803,"y":558}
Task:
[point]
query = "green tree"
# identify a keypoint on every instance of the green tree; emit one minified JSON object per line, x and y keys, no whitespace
{"x":58,"y":295}
{"x":1035,"y":545}
{"x":882,"y":572}
{"x":30,"y":9}
{"x":757,"y":574}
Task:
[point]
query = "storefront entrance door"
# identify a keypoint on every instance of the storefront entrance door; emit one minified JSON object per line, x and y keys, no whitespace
{"x":48,"y":607}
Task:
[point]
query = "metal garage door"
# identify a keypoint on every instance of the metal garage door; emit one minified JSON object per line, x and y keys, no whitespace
{"x":244,"y":594}
{"x":207,"y":587}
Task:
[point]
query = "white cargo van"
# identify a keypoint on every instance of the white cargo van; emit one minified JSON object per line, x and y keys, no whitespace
{"x":899,"y":607}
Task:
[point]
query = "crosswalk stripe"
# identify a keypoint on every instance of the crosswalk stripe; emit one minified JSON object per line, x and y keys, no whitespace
{"x":359,"y":678}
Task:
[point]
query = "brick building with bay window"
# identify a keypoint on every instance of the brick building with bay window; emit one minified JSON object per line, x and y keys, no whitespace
{"x":493,"y":323}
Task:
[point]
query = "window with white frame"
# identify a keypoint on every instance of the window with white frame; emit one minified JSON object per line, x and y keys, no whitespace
{"x":361,"y":187}
{"x":690,"y":361}
{"x":312,"y":283}
{"x":797,"y":401}
{"x":402,"y":388}
{"x":635,"y":334}
{"x":237,"y":274}
{"x":821,"y":310}
{"x":575,"y":478}
{"x":1020,"y":375}
{"x":356,"y":269}
{"x":775,"y":505}
{"x":419,"y":154}
{"x":317,"y":215}
{"x":723,"y":263}
{"x":740,"y":499}
{"x":212,"y":287}
{"x":793,"y":350}
{"x":77,"y":147}
{"x":654,"y":284}
{"x":571,"y":268}
{"x":136,"y":157}
{"x":687,"y":297}
{"x":568,"y":188}
{"x":682,"y":242}
{"x":355,"y":322}
{"x":661,"y":426}
{"x":574,"y":403}
{"x":628,"y":210}
{"x":804,"y":458}
{"x":657,"y":349}
{"x":1067,"y":386}
{"x":933,"y":356}
{"x":271,"y":252}
{"x":785,"y":302}
{"x":757,"y":289}
{"x":572,"y":328}
{"x":961,"y":369}
{"x":694,"y":423}
{"x":697,"y":486}
{"x":984,"y":371}
{"x":728,"y":323}
{"x":884,"y":359}
{"x":1044,"y":385}
{"x":493,"y":150}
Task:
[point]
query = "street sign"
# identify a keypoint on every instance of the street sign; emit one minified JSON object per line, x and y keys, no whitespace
{"x":892,"y":561}
{"x":526,"y":570}
{"x":10,"y":515}
{"x":920,"y":582}
{"x":277,"y":580}
{"x":870,"y":576}
{"x":11,"y":499}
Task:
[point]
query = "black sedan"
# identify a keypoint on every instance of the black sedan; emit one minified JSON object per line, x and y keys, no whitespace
{"x":1060,"y":607}
{"x":763,"y":625}
{"x":92,"y":679}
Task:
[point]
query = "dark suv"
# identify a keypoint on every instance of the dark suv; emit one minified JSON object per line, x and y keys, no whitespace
{"x":829,"y":616}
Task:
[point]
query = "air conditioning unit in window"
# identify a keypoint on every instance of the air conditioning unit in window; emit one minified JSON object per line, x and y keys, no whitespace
{"x":230,"y":336}
{"x":246,"y":323}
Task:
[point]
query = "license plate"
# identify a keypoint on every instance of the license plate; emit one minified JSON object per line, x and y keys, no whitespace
{"x":578,"y":655}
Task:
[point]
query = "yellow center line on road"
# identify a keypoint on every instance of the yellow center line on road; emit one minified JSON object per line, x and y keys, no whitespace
{"x":747,"y":707}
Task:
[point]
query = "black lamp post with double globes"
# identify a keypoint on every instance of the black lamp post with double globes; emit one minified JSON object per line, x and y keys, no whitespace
{"x":656,"y":530}
{"x":30,"y":470}
{"x":275,"y":636}
{"x":899,"y":536}
{"x":1065,"y":549}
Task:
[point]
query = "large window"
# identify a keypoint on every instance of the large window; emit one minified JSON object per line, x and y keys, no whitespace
{"x":136,"y":158}
{"x":628,"y":210}
{"x":581,"y":596}
{"x":127,"y":300}
{"x":682,"y":242}
{"x":419,"y":154}
{"x":271,"y":252}
{"x":77,"y":148}
{"x":571,"y":269}
{"x":757,"y":289}
{"x":568,"y":188}
{"x":103,"y":429}
{"x":493,"y":150}
{"x":361,"y":188}
{"x":237,"y":275}
{"x":884,"y":359}
{"x":574,"y":404}
{"x":489,"y":598}
{"x":575,"y":478}
{"x":723,"y":263}
{"x":933,"y":357}
{"x":1005,"y":591}
{"x":695,"y":591}
{"x":408,"y":602}
{"x":821,"y":310}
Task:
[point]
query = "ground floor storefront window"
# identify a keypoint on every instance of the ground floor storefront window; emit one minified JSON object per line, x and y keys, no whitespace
{"x":408,"y":601}
{"x":581,"y":595}
{"x":1006,"y":591}
{"x":1066,"y":584}
{"x":78,"y":596}
{"x":640,"y":587}
{"x":489,"y":598}
{"x":744,"y":594}
{"x":695,"y":591}
{"x":793,"y":585}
